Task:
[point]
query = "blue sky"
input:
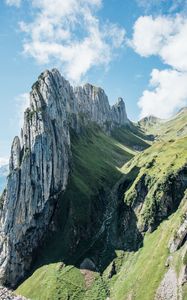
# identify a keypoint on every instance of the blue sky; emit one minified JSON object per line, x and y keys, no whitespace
{"x":132,"y":48}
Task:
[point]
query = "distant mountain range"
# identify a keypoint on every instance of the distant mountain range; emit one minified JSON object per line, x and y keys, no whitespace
{"x":3,"y":175}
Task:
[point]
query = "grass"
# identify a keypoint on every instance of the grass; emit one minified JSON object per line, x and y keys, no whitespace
{"x":139,"y":274}
{"x":159,"y":167}
{"x":142,"y":271}
{"x":132,"y":137}
{"x":53,"y":282}
{"x":98,"y":162}
{"x":173,"y":128}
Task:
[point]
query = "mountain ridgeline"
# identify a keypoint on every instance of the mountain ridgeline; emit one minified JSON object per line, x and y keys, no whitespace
{"x":40,"y":163}
{"x":90,"y":196}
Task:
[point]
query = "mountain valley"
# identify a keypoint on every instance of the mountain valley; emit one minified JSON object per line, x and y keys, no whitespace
{"x":95,"y":206}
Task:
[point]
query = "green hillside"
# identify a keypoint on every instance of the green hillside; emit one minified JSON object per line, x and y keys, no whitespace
{"x":173,"y":128}
{"x":113,"y":184}
{"x":141,"y":272}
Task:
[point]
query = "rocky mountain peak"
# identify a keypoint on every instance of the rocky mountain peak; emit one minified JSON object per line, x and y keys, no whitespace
{"x":15,"y":157}
{"x":119,"y":114}
{"x":149,"y":121}
{"x":40,"y":164}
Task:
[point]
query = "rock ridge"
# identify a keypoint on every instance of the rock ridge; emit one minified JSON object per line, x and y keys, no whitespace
{"x":40,"y":164}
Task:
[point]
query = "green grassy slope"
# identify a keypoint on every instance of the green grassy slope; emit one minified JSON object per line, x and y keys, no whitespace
{"x":173,"y":128}
{"x":99,"y":161}
{"x":154,"y":193}
{"x":162,"y":169}
{"x":96,"y":166}
{"x":132,"y":137}
{"x":142,"y":271}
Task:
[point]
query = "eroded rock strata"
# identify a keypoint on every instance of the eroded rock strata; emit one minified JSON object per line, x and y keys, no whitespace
{"x":40,"y":163}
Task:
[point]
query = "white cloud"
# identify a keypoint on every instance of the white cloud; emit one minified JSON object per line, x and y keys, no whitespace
{"x":13,"y":2}
{"x":168,"y":95}
{"x":69,"y":34}
{"x":22,"y":102}
{"x":164,"y":37}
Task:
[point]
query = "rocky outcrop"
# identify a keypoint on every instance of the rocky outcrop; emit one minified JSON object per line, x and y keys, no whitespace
{"x":180,"y":236}
{"x":15,"y":159}
{"x":93,"y":102}
{"x":153,"y":200}
{"x":39,"y":167}
{"x":149,"y":121}
{"x":168,"y":289}
{"x":40,"y":163}
{"x":119,"y":115}
{"x":6,"y":294}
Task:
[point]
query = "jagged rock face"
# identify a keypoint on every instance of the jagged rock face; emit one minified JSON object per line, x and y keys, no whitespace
{"x":180,"y":236}
{"x":39,"y":165}
{"x":163,"y":204}
{"x":93,"y":102}
{"x":119,"y":115}
{"x":15,"y":154}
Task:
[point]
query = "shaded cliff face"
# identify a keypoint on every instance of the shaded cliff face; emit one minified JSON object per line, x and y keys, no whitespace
{"x":39,"y":167}
{"x":40,"y":163}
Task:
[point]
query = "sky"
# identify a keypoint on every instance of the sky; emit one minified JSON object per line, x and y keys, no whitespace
{"x":135,"y":49}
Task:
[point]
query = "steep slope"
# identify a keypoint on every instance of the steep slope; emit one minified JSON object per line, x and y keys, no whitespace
{"x":158,"y":270}
{"x":93,"y":205}
{"x":39,"y":167}
{"x":41,"y":162}
{"x":153,"y":272}
{"x":166,"y":129}
{"x":151,"y":189}
{"x":97,"y":159}
{"x":159,"y":186}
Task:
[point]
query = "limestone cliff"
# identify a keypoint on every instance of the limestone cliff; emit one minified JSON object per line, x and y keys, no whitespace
{"x":40,"y":163}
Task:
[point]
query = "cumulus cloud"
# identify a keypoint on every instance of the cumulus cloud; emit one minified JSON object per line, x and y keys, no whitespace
{"x":164,"y":37}
{"x":13,"y":2}
{"x":168,"y":93}
{"x":69,"y":34}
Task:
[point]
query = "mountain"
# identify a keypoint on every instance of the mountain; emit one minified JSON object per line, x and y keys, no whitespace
{"x":95,"y":205}
{"x":40,"y":163}
{"x":166,"y":129}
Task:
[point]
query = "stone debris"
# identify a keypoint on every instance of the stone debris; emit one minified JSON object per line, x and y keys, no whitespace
{"x":6,"y":294}
{"x":168,"y":288}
